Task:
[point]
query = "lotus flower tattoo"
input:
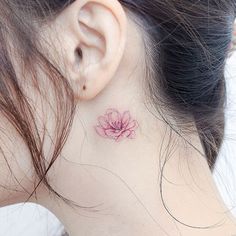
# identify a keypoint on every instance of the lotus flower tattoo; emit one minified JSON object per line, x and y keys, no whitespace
{"x":116,"y":126}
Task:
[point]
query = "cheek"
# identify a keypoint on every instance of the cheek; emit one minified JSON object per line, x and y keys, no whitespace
{"x":16,"y":171}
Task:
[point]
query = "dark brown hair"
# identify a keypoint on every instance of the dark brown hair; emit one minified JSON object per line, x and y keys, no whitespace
{"x":186,"y":41}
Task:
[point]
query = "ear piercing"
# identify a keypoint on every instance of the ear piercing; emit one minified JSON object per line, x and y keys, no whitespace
{"x":80,"y":54}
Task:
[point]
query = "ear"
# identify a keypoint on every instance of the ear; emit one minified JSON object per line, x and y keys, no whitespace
{"x":94,"y":35}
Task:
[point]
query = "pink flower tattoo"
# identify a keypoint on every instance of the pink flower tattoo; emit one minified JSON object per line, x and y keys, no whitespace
{"x":116,"y":126}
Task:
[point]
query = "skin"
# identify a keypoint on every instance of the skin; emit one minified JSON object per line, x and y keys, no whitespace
{"x":122,"y":179}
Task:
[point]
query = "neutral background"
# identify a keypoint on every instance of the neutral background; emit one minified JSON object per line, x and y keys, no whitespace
{"x":33,"y":220}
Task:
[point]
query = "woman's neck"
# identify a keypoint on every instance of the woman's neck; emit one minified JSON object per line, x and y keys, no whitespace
{"x":146,"y":186}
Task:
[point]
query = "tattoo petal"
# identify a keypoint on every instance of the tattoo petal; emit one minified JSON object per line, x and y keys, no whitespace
{"x":100,"y":131}
{"x":126,"y":134}
{"x":132,"y":125}
{"x":126,"y":118}
{"x":103,"y":122}
{"x":132,"y":135}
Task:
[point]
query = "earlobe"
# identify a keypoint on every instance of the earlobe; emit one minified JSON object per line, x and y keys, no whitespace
{"x":99,"y":29}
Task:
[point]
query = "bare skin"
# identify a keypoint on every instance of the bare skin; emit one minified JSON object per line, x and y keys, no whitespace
{"x":115,"y":156}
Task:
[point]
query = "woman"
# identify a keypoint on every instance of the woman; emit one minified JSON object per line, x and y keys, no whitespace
{"x":112,"y":113}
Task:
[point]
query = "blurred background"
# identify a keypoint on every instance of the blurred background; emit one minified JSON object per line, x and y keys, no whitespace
{"x":33,"y":220}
